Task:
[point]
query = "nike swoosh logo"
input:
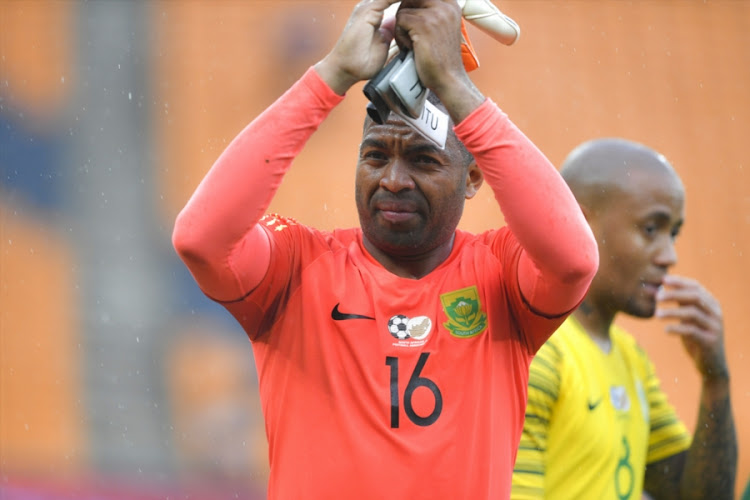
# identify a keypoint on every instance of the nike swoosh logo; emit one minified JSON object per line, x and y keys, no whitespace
{"x":339,"y":316}
{"x":594,"y":405}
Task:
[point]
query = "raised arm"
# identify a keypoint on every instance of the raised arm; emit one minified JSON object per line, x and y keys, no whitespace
{"x":560,"y":256}
{"x":709,"y":468}
{"x":219,"y":225}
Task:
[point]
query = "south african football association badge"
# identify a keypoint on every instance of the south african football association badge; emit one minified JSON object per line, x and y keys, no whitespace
{"x":409,"y":332}
{"x":464,"y":311}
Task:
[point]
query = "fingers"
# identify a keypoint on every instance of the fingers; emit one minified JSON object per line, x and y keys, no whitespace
{"x":690,"y":319}
{"x":435,"y":19}
{"x":432,"y":29}
{"x":705,"y":335}
{"x":388,"y":24}
{"x":689,"y":295}
{"x":696,"y":311}
{"x":377,"y":13}
{"x":361,"y":49}
{"x":697,"y":318}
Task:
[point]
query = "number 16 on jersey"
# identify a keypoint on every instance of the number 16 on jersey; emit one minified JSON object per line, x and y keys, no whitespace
{"x":415,"y":381}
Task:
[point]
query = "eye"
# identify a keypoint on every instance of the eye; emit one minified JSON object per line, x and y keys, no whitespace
{"x":426,"y":162}
{"x":650,"y":230}
{"x":675,"y":232}
{"x":426,"y":159}
{"x":374,"y":155}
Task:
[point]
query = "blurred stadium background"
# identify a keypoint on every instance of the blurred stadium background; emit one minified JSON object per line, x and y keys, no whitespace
{"x":118,"y":379}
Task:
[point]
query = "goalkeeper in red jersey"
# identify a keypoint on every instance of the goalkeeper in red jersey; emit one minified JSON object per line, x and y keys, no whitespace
{"x":392,"y":357}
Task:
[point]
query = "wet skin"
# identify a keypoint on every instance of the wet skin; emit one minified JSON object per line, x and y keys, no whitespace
{"x":410,"y":196}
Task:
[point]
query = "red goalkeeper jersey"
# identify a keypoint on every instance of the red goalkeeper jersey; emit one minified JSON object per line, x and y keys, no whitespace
{"x":375,"y":386}
{"x":369,"y":382}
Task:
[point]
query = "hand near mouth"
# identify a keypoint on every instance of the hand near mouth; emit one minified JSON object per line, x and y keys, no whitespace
{"x":697,"y":318}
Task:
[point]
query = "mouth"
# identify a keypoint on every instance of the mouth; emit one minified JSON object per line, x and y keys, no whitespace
{"x":396,"y":211}
{"x":652,"y":287}
{"x":397,"y":216}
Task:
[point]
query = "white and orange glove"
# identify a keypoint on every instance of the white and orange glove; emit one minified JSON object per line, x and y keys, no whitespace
{"x":481,"y":13}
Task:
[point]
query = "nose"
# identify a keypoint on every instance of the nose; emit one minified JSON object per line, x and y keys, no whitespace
{"x":667,"y":254}
{"x":397,"y":176}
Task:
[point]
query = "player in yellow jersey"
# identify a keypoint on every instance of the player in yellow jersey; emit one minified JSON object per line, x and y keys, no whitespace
{"x":597,"y":423}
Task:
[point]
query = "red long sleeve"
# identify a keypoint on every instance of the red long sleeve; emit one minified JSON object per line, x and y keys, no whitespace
{"x":560,"y":256}
{"x":218,"y":226}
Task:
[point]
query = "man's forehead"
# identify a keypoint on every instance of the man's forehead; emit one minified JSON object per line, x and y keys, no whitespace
{"x":647,"y":194}
{"x":394,"y":129}
{"x":657,"y":178}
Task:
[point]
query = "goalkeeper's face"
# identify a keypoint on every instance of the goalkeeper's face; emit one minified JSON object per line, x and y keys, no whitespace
{"x":410,"y":194}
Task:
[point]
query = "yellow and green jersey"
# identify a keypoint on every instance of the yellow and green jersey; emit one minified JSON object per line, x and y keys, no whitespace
{"x":593,"y":420}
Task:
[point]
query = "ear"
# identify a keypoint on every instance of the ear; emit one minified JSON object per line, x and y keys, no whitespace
{"x":474,"y":180}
